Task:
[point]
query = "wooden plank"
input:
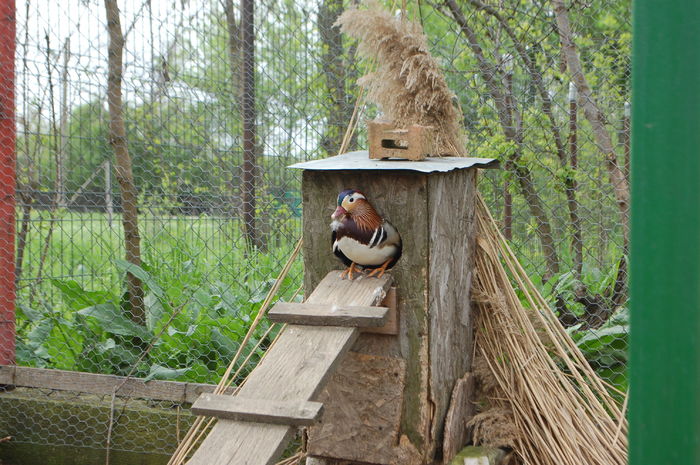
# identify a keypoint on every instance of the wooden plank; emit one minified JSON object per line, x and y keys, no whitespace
{"x":451,"y":262}
{"x":296,"y":367}
{"x":328,"y":315}
{"x":300,"y":413}
{"x":363,"y":410}
{"x":93,"y":383}
{"x":391,"y":326}
{"x":462,"y":409}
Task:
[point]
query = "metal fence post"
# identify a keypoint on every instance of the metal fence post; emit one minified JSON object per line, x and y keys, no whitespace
{"x":665,"y":248}
{"x":7,"y":182}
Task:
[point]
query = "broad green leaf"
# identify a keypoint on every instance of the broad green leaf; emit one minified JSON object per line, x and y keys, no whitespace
{"x":76,"y":297}
{"x":112,"y":320}
{"x":29,"y":313}
{"x":40,"y":332}
{"x":602,"y":336}
{"x":103,"y":347}
{"x":223,"y":345}
{"x":143,"y":275}
{"x":161,"y":372}
{"x":154,"y":310}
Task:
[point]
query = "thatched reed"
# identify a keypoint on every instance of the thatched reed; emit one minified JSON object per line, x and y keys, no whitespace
{"x":407,"y":85}
{"x":564,"y":412}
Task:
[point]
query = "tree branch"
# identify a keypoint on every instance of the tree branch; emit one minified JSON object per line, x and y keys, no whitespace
{"x":593,"y":113}
{"x":506,"y":109}
{"x":123,"y":171}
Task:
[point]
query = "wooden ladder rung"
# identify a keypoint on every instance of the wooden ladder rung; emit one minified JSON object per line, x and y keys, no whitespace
{"x":328,"y":315}
{"x":296,"y":413}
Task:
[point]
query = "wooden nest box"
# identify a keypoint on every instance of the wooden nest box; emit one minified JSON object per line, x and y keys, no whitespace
{"x":378,"y":374}
{"x":388,"y":400}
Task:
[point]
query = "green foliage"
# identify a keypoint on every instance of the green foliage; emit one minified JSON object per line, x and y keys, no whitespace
{"x":185,"y":144}
{"x":606,"y":349}
{"x":196,"y":318}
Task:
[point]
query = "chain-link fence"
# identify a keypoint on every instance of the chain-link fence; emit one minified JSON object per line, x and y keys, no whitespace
{"x":168,"y":222}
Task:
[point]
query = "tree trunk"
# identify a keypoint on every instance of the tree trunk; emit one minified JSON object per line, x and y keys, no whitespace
{"x":335,"y":73}
{"x":248,"y":118}
{"x":63,"y":128}
{"x":625,"y":139}
{"x":507,"y":210}
{"x":124,"y":174}
{"x":593,"y":114}
{"x":510,"y":123}
{"x":570,"y":185}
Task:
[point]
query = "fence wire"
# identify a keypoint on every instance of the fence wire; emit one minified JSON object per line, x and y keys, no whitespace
{"x":211,"y":120}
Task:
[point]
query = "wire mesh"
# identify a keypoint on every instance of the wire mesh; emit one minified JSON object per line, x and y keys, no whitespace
{"x":216,"y":211}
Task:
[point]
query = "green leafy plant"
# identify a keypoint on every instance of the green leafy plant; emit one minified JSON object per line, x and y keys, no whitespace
{"x":195,"y":328}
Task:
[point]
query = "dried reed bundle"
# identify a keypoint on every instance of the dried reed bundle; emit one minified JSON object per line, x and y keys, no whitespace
{"x":563,"y":410}
{"x":408,"y":84}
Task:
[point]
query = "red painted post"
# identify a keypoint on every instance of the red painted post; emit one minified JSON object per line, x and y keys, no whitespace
{"x":7,"y":182}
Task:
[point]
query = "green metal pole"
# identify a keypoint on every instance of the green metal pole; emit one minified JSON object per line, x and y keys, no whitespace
{"x":665,"y":238}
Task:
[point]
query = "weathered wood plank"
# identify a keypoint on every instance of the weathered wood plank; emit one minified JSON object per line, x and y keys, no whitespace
{"x":434,"y":214}
{"x":451,"y":264}
{"x":402,"y":199}
{"x":362,"y":384}
{"x":299,"y":413}
{"x":93,"y":383}
{"x":328,"y":315}
{"x":295,"y":368}
{"x":460,"y":412}
{"x":391,"y":326}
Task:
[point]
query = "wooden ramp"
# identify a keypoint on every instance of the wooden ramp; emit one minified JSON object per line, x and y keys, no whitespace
{"x":292,"y":373}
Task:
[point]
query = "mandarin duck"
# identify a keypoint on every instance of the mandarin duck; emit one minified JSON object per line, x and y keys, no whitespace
{"x":361,"y":237}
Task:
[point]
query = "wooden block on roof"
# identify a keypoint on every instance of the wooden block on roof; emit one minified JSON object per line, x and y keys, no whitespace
{"x":299,"y":413}
{"x":386,"y":140}
{"x":328,"y":314}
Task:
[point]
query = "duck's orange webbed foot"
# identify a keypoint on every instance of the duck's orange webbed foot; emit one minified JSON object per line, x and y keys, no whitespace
{"x":379,"y":272}
{"x":351,"y":269}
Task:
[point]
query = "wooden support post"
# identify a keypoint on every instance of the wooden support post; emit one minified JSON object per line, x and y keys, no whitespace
{"x":413,"y":374}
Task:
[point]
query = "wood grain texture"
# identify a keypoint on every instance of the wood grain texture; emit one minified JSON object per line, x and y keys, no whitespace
{"x":391,"y":325}
{"x":460,"y":412}
{"x":386,"y":140}
{"x":328,"y":315}
{"x":401,"y":198}
{"x":362,"y":419}
{"x":92,"y":383}
{"x":434,"y":214}
{"x":278,"y":412}
{"x":452,"y":201}
{"x":295,"y":368}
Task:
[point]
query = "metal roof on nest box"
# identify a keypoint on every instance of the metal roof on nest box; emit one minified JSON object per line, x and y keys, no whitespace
{"x":360,"y":161}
